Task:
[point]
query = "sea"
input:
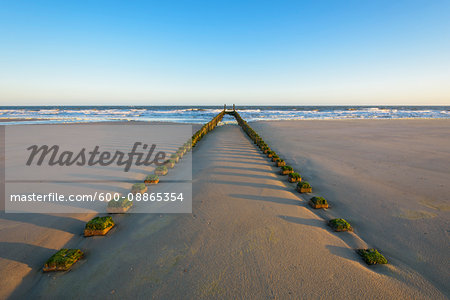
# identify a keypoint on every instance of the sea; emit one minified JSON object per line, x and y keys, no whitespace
{"x":10,"y":115}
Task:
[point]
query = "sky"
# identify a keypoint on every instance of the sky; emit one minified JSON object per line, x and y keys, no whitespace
{"x":215,"y":52}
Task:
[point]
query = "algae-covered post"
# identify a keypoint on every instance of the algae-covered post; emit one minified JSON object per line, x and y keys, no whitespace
{"x":179,"y":154}
{"x":304,"y":187}
{"x":170,"y":163}
{"x":280,"y":163}
{"x":63,"y":260}
{"x":161,"y":171}
{"x":318,"y":202}
{"x":120,"y":206}
{"x":138,"y":188}
{"x":98,"y":226}
{"x":340,"y":225}
{"x":175,"y":158}
{"x":206,"y":128}
{"x":372,"y":256}
{"x":294,"y":177}
{"x":285,"y":170}
{"x":151,"y":179}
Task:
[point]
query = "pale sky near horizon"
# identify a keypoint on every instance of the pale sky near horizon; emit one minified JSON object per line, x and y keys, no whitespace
{"x":215,"y":52}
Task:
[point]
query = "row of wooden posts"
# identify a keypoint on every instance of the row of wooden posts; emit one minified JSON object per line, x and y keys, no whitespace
{"x":370,"y":256}
{"x":63,"y":259}
{"x":207,"y":128}
{"x":225,"y":107}
{"x":302,"y":187}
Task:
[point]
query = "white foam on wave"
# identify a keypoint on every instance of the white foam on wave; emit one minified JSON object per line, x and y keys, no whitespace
{"x":203,"y":115}
{"x":48,"y":111}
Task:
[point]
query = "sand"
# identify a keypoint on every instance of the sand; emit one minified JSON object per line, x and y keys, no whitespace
{"x":390,"y":178}
{"x":250,"y":236}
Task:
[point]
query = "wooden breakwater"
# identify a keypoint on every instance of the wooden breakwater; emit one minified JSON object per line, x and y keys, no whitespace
{"x":370,"y":256}
{"x":207,"y":128}
{"x":64,"y":258}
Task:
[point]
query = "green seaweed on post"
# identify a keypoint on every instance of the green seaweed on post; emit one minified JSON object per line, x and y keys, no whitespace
{"x":285,"y":170}
{"x":372,"y":256}
{"x":139,"y":188}
{"x":63,"y":260}
{"x":295,"y":177}
{"x":179,"y":153}
{"x":161,"y":170}
{"x":175,"y":158}
{"x":99,"y":223}
{"x":152,"y":179}
{"x":304,"y":187}
{"x":170,"y":163}
{"x":340,"y":225}
{"x":318,"y":202}
{"x":281,"y":163}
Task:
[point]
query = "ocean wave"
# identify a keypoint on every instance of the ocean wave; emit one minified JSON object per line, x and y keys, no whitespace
{"x":48,"y":111}
{"x":204,"y":114}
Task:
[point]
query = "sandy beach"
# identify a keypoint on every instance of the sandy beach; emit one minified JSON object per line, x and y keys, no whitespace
{"x":252,"y":236}
{"x":225,"y":150}
{"x":388,"y":177}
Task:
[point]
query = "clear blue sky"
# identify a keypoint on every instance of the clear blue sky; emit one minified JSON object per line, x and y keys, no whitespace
{"x":215,"y":52}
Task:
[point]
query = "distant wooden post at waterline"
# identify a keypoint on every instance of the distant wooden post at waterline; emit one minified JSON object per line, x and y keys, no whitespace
{"x":229,"y":111}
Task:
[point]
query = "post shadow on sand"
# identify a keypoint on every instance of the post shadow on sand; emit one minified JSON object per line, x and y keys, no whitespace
{"x":120,"y":169}
{"x":279,"y":200}
{"x":244,"y":175}
{"x":247,"y":169}
{"x":243,"y":161}
{"x":105,"y":178}
{"x":303,"y":221}
{"x":241,"y":157}
{"x":28,"y":254}
{"x":349,"y":238}
{"x":344,"y":252}
{"x":252,"y":184}
{"x":66,"y":224}
{"x":244,"y":150}
{"x":237,"y":148}
{"x":97,"y":186}
{"x":238,"y":151}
